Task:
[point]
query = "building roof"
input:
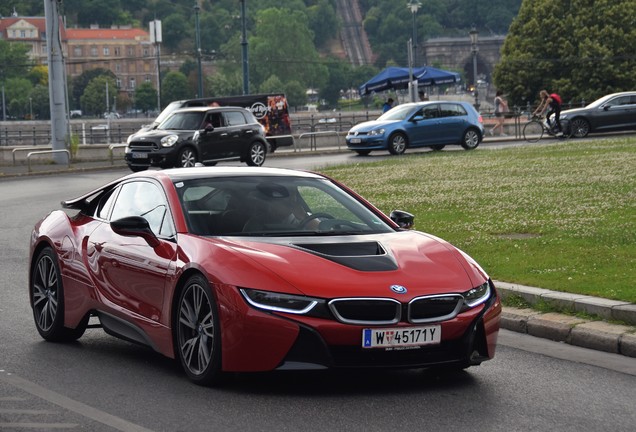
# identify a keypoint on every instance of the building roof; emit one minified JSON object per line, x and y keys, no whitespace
{"x":38,"y":22}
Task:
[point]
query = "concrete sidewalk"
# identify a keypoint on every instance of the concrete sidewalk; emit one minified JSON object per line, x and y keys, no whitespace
{"x":599,"y":334}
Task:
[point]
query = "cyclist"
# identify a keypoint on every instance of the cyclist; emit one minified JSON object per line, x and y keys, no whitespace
{"x":552,"y":103}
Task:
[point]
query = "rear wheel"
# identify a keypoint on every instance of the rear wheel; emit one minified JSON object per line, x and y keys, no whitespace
{"x":471,"y":139}
{"x":197,"y":333}
{"x":580,"y":128}
{"x":187,"y":157}
{"x":397,"y":143}
{"x":256,"y":154}
{"x":47,"y":300}
{"x":533,"y":131}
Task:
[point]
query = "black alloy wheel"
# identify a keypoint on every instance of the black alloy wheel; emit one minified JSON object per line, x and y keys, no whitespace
{"x":47,"y":300}
{"x":580,"y":128}
{"x":196,"y":332}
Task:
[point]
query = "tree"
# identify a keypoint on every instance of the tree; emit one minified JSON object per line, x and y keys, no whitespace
{"x":282,"y":45}
{"x":580,"y":49}
{"x":174,"y":87}
{"x":93,"y":101}
{"x":17,"y":92}
{"x":14,"y":60}
{"x":228,"y":84}
{"x":39,"y":99}
{"x":81,"y":81}
{"x":296,"y":93}
{"x":145,"y":97}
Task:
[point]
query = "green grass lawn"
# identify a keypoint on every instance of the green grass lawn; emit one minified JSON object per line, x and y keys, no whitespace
{"x":560,"y":216}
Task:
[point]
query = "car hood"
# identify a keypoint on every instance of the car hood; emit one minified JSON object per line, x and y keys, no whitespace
{"x":157,"y":134}
{"x":370,"y":125}
{"x":575,"y":111}
{"x":350,"y":265}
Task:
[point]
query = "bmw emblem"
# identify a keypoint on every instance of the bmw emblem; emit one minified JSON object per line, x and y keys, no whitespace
{"x":398,"y":289}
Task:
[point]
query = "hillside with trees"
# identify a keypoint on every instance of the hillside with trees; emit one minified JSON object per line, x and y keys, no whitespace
{"x":580,"y":48}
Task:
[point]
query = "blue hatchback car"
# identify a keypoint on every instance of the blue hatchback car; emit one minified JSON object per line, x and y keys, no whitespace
{"x":424,"y":124}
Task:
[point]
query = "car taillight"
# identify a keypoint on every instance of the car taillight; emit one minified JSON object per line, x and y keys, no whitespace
{"x":481,"y":119}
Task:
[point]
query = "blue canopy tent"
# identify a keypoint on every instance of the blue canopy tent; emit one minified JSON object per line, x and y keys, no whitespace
{"x":398,"y":78}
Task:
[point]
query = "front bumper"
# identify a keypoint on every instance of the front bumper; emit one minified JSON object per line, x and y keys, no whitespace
{"x":148,"y":156}
{"x":254,"y":340}
{"x":366,"y":142}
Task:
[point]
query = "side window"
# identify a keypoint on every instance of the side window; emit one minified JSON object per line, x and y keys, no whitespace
{"x":144,"y":199}
{"x":452,"y":110}
{"x":431,"y":112}
{"x":105,"y":204}
{"x":235,"y":118}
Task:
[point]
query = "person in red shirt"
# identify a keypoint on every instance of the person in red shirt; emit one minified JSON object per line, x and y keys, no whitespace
{"x":552,"y":103}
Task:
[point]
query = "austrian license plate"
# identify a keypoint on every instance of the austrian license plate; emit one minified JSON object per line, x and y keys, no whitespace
{"x":355,"y":140}
{"x":401,"y":337}
{"x":140,"y":155}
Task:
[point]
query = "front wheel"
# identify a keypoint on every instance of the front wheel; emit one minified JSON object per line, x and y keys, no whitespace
{"x":580,"y":128}
{"x":533,"y":131}
{"x":471,"y":139}
{"x":256,"y":154}
{"x":363,"y":152}
{"x":187,"y":158}
{"x":397,"y":143}
{"x":197,"y":334}
{"x":47,"y":300}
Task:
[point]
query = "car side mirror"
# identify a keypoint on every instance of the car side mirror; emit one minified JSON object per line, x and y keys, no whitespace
{"x":404,"y":219}
{"x":135,"y":226}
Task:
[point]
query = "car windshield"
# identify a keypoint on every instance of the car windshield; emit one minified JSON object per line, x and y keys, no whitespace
{"x":189,"y":120}
{"x":167,"y":111}
{"x":274,"y":206}
{"x":400,"y":112}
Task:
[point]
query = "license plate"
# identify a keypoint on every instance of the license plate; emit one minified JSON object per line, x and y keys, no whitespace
{"x":140,"y":155}
{"x":355,"y":140}
{"x":401,"y":337}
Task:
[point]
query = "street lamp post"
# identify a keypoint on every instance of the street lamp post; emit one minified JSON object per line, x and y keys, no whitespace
{"x":198,"y":48}
{"x":246,"y":69}
{"x":30,"y":109}
{"x":474,"y":35}
{"x":414,"y":6}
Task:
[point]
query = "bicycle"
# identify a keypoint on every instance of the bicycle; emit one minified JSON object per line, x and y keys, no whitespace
{"x":535,"y":128}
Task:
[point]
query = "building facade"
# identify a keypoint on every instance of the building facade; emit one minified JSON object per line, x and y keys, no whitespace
{"x":125,"y":51}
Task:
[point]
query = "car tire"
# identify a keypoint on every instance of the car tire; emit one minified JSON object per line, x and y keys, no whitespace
{"x":580,"y":128}
{"x":46,"y":293}
{"x":196,"y":332}
{"x":137,"y":168}
{"x":256,"y":154}
{"x":187,"y":157}
{"x":363,"y":152}
{"x":471,"y":139}
{"x":438,"y":147}
{"x":397,"y":143}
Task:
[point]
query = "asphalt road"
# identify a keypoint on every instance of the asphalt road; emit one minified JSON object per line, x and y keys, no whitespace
{"x":105,"y":384}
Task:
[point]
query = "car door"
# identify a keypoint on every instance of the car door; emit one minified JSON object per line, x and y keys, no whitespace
{"x":616,"y":113}
{"x":214,"y":143}
{"x":128,"y":272}
{"x":240,"y":131}
{"x":424,"y":126}
{"x":452,"y":123}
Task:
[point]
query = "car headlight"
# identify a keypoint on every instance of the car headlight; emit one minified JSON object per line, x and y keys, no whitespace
{"x":279,"y":302}
{"x":169,"y":140}
{"x":376,"y":132}
{"x":477,"y":295}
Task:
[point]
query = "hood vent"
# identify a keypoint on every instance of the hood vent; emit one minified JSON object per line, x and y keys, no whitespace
{"x":363,"y":256}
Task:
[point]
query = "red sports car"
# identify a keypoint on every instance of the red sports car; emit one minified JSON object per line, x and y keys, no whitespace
{"x":258,"y":269}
